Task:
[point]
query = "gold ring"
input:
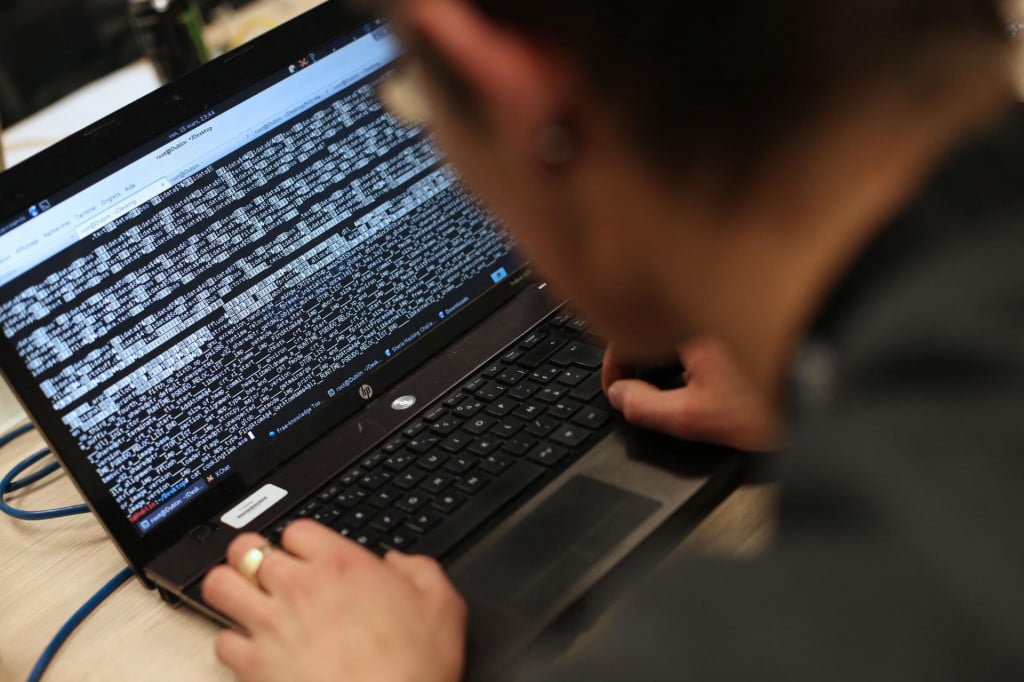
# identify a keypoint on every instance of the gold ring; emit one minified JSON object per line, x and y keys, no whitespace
{"x":250,"y":564}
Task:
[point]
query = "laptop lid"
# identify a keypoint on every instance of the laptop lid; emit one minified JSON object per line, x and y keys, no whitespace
{"x":199,"y":286}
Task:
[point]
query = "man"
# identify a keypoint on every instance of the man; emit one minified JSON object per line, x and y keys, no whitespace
{"x":827,"y":190}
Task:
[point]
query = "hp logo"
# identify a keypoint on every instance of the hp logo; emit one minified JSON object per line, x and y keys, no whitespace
{"x":365,"y":391}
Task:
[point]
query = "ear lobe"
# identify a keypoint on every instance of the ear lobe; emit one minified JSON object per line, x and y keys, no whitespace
{"x":520,"y":85}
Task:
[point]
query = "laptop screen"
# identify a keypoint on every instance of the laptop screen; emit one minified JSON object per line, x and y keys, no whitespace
{"x":192,"y":303}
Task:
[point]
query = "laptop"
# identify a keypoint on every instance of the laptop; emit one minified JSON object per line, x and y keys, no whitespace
{"x":252,"y":296}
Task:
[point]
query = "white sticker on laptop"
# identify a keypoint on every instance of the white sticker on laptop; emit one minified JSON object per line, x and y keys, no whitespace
{"x":253,"y":507}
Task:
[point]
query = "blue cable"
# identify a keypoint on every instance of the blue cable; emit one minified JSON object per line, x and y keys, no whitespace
{"x":74,"y":621}
{"x":20,"y":431}
{"x":9,"y":484}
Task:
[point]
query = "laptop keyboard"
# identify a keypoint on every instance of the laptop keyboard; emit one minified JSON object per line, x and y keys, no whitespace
{"x":529,"y":414}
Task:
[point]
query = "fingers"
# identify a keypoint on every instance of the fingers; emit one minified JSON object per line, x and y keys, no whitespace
{"x":430,"y":579}
{"x":233,"y":649}
{"x":312,"y":541}
{"x":276,"y":565}
{"x":614,"y":369}
{"x":670,"y":412}
{"x":423,"y":572}
{"x":226,"y":590}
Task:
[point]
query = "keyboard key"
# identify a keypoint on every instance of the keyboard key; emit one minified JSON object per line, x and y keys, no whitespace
{"x":373,"y":461}
{"x":511,"y":376}
{"x":564,"y":409}
{"x":351,"y":476}
{"x":552,"y":394}
{"x":431,"y":461}
{"x":412,"y":502}
{"x":308,"y":509}
{"x":524,"y":390}
{"x":474,"y":385}
{"x":449,"y":502}
{"x":414,"y":429}
{"x":387,"y":521}
{"x":357,"y":518}
{"x":529,"y":411}
{"x":471,"y":483}
{"x":507,"y":428}
{"x":561,"y":319}
{"x":399,"y":462}
{"x":532,"y":340}
{"x":400,"y":541}
{"x":547,"y":454}
{"x":393,"y":445}
{"x":455,"y":442}
{"x":570,"y":435}
{"x":410,"y":479}
{"x":350,"y":498}
{"x":484,"y":446}
{"x":542,"y":426}
{"x":434,"y":414}
{"x":578,"y":325}
{"x":539,"y":355}
{"x":588,"y":390}
{"x":328,"y":514}
{"x":579,"y":354}
{"x":367,"y":539}
{"x":437,"y":483}
{"x":546,"y":374}
{"x":496,"y":463}
{"x":478,"y":425}
{"x":511,"y":356}
{"x":374,"y":480}
{"x":422,"y":444}
{"x":592,"y":417}
{"x":454,"y":399}
{"x":382,"y":499}
{"x":460,"y":464}
{"x":468,"y":408}
{"x":491,"y":391}
{"x":446,"y":425}
{"x":501,"y":407}
{"x":574,"y":376}
{"x":519,"y":445}
{"x":493,"y":370}
{"x":424,"y":520}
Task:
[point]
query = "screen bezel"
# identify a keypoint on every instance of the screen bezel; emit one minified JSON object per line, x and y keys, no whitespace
{"x":118,"y":135}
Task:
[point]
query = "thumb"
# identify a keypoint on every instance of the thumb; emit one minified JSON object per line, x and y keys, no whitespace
{"x":670,"y":412}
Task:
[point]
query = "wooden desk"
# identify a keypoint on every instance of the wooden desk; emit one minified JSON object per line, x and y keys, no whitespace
{"x":50,"y":568}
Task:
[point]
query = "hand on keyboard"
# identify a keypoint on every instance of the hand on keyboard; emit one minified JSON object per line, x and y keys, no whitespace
{"x":329,"y":609}
{"x":718,"y":404}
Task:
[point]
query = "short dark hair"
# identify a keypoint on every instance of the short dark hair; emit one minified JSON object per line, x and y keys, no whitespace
{"x":726,"y":79}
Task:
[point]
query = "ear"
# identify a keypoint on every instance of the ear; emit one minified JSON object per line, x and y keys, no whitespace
{"x":521,"y":85}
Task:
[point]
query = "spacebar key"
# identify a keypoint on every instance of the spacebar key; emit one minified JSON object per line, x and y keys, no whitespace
{"x":482,"y":506}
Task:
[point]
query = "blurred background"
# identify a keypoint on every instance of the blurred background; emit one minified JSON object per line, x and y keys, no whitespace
{"x":49,"y":48}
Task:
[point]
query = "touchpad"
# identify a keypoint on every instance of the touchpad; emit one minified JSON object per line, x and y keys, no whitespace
{"x":543,"y":555}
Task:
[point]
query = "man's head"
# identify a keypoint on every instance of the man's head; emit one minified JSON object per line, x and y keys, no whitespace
{"x":656,"y":160}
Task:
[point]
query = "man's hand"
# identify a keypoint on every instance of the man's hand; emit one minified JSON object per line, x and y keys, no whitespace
{"x":718,"y":405}
{"x":328,"y":609}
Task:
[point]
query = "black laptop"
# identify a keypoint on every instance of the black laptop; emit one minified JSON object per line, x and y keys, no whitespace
{"x":252,"y":296}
